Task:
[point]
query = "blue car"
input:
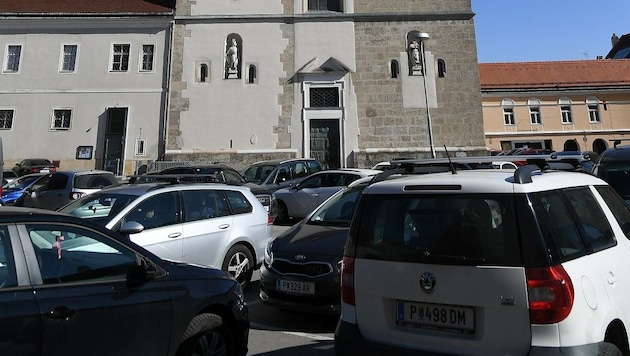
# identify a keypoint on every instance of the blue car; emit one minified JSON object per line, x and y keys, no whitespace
{"x":14,"y":189}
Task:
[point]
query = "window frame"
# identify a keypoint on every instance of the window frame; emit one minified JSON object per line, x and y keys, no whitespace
{"x":566,"y":115}
{"x":319,"y":4}
{"x":509,"y":119}
{"x":54,"y":119}
{"x":592,"y":105}
{"x":62,"y":58}
{"x":535,"y":117}
{"x":122,"y":54}
{"x":3,"y":120}
{"x":8,"y":61}
{"x":142,"y":53}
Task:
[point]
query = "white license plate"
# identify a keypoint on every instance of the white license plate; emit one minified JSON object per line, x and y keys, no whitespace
{"x":436,"y":316}
{"x":295,"y":287}
{"x":45,"y":171}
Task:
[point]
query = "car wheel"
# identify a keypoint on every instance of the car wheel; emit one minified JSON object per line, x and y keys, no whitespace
{"x":239,"y":264}
{"x":205,"y":336}
{"x":608,"y":349}
{"x":283,"y":213}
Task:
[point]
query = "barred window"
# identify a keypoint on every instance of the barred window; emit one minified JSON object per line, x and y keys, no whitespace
{"x":61,"y":119}
{"x":13,"y":58}
{"x":120,"y":60}
{"x":69,"y":58}
{"x":324,"y":98}
{"x":147,"y":57}
{"x":6,"y":119}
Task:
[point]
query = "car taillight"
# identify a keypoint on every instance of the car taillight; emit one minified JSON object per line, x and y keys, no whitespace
{"x":269,"y":219}
{"x":34,"y":170}
{"x":347,"y":280}
{"x":551,"y":294}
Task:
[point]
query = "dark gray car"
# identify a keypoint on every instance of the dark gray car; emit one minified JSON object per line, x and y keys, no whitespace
{"x":276,"y":174}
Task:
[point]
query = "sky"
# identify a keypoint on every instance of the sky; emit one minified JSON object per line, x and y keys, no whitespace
{"x":547,"y":30}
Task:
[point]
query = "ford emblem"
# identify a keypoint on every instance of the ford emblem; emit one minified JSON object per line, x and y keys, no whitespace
{"x":427,"y":282}
{"x":300,"y":257}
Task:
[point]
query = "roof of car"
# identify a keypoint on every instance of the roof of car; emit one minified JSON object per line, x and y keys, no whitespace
{"x":142,"y":188}
{"x":78,"y":171}
{"x":615,"y":154}
{"x":279,"y":161}
{"x":483,"y":181}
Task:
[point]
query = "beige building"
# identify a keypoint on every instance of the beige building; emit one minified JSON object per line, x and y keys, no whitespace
{"x":560,"y":105}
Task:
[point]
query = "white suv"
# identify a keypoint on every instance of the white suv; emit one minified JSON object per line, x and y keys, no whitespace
{"x":216,"y":225}
{"x":487,"y":262}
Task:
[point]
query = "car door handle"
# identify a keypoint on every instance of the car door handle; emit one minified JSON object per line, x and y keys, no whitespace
{"x":174,"y":235}
{"x":612,"y":279}
{"x":224,"y":226}
{"x":62,"y":313}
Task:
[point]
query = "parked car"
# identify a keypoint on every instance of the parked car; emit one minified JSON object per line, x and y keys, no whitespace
{"x":301,"y":199}
{"x":34,"y":165}
{"x":54,"y":190}
{"x":276,"y":174}
{"x":70,"y":287}
{"x":613,"y":166}
{"x":216,"y":225}
{"x":227,"y":175}
{"x":8,"y":176}
{"x":14,"y":190}
{"x":487,"y":262}
{"x":301,"y":267}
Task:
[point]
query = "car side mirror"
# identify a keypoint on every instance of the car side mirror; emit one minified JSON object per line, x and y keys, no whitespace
{"x":145,"y":270}
{"x":131,"y":227}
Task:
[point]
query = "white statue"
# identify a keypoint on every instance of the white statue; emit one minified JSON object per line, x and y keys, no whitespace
{"x":414,"y":53}
{"x":231,"y":56}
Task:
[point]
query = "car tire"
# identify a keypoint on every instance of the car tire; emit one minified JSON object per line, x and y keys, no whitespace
{"x":205,"y":335}
{"x":608,"y":349}
{"x":239,"y":264}
{"x":283,"y":213}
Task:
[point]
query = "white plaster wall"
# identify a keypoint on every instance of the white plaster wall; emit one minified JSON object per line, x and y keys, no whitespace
{"x":225,"y":110}
{"x":236,"y":7}
{"x":323,"y":40}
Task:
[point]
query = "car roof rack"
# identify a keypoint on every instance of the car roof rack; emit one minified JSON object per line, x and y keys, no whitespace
{"x":522,"y":174}
{"x":173,"y":178}
{"x":617,"y":141}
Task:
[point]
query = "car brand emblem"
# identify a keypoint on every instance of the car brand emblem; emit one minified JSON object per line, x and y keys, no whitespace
{"x":427,"y":282}
{"x":300,"y":257}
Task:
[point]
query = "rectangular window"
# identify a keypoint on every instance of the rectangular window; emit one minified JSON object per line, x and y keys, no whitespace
{"x":141,"y":147}
{"x":61,"y":119}
{"x":120,"y":59}
{"x":6,"y":119}
{"x":565,"y":112}
{"x":324,"y":98}
{"x":508,"y":116}
{"x":593,"y":114}
{"x":534,"y":115}
{"x":12,"y":62}
{"x":325,"y":5}
{"x":69,"y":58}
{"x":148,"y":51}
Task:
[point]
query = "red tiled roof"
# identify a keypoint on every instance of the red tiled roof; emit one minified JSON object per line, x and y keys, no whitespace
{"x":85,"y":6}
{"x":555,"y":74}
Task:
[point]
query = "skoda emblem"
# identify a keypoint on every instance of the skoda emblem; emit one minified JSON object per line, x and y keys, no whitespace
{"x":427,"y":282}
{"x":300,"y":257}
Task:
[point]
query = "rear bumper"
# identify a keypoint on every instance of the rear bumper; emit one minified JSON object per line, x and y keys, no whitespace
{"x":349,"y":341}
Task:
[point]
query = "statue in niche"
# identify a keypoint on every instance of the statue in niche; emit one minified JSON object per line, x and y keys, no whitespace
{"x":231,"y":60}
{"x":415,"y":63}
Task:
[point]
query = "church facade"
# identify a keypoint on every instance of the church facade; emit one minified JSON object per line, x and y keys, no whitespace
{"x":349,"y":82}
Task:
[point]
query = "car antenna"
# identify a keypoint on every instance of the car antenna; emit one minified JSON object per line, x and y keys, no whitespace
{"x":450,"y":163}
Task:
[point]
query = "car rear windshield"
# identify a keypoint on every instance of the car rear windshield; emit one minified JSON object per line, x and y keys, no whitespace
{"x":443,"y":229}
{"x":99,"y":207}
{"x":257,"y":174}
{"x":94,"y":181}
{"x":617,"y":174}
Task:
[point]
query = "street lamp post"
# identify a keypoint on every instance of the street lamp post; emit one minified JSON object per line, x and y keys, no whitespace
{"x":422,"y":37}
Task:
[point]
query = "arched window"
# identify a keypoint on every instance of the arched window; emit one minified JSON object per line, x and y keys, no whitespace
{"x":508,"y":111}
{"x":251,"y":74}
{"x":534,"y":111}
{"x":592,"y":103}
{"x":441,"y":64}
{"x":565,"y":110}
{"x":394,"y":69}
{"x":203,"y":73}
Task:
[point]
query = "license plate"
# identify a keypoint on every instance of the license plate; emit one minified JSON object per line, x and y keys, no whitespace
{"x":45,"y":171}
{"x":295,"y":287}
{"x":436,"y":317}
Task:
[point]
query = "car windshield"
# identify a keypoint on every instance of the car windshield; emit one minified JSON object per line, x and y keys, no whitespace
{"x":99,"y":207}
{"x":94,"y":181}
{"x":41,"y":162}
{"x":258,"y":173}
{"x":339,"y":209}
{"x":19,"y":183}
{"x":617,"y":175}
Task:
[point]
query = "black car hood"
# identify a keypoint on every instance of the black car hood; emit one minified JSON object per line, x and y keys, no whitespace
{"x":257,"y":189}
{"x":184,"y":269}
{"x":317,"y":239}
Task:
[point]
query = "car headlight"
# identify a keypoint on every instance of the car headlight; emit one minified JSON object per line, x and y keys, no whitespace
{"x":268,"y":253}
